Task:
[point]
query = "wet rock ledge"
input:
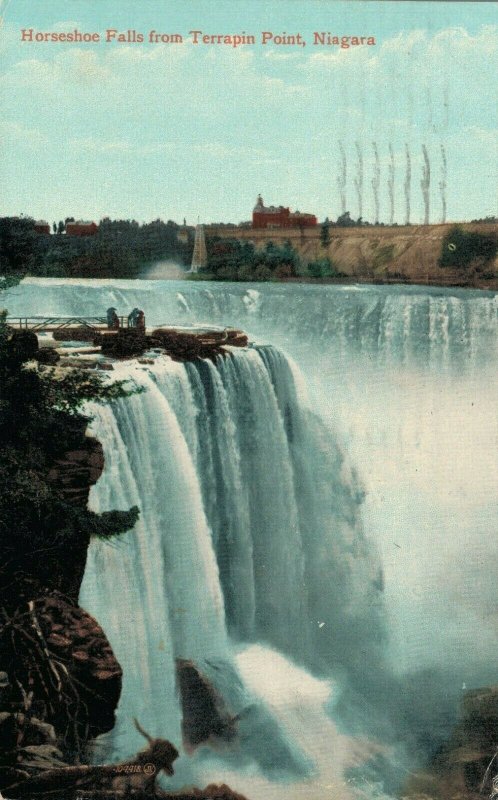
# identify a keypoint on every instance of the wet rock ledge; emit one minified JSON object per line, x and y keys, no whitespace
{"x":177,"y":344}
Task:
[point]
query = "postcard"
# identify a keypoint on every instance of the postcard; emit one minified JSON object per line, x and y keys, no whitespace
{"x":248,"y":429}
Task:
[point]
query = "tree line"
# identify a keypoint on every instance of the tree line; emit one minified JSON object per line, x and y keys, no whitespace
{"x":119,"y":248}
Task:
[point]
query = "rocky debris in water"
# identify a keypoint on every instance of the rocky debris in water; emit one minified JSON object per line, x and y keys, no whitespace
{"x":39,"y":758}
{"x":464,"y":764}
{"x":236,"y":338}
{"x":203,"y":711}
{"x":80,"y":333}
{"x":179,"y":345}
{"x":22,"y":345}
{"x":29,"y":745}
{"x":123,"y":343}
{"x":132,"y":778}
{"x":77,"y":471}
{"x":211,"y":792}
{"x":79,"y":363}
{"x":15,"y":727}
{"x":8,"y":730}
{"x":47,"y":355}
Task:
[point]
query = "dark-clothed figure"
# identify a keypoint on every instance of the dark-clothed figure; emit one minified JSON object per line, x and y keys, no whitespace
{"x":140,"y":323}
{"x":112,"y":318}
{"x":132,"y":318}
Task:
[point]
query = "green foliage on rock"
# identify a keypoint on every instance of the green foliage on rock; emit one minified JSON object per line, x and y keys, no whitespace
{"x":323,"y":268}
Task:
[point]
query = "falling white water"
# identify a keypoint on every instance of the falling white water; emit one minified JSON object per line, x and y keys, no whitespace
{"x":235,"y":514}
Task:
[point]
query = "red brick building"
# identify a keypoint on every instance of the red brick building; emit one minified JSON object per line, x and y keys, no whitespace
{"x":279,"y":217}
{"x":81,"y":228}
{"x":42,"y":226}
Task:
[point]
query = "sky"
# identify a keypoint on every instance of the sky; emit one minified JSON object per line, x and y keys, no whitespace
{"x":141,"y":130}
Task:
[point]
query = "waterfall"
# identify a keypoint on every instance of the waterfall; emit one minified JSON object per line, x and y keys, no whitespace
{"x":244,"y":517}
{"x":227,"y":553}
{"x":315,"y":513}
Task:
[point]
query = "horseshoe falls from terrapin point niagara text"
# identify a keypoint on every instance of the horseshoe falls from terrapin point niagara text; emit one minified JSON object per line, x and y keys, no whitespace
{"x":260,"y":555}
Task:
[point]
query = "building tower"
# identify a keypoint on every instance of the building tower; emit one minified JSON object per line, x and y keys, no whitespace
{"x":199,"y":256}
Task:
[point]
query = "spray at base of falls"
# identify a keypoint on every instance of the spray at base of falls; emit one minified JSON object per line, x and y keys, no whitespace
{"x":249,"y":532}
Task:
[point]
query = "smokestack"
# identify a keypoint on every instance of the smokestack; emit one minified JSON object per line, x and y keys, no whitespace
{"x":425,"y":183}
{"x":408,"y":184}
{"x":342,"y":178}
{"x":390,"y":184}
{"x":442,"y":183}
{"x":358,"y":181}
{"x":376,"y":181}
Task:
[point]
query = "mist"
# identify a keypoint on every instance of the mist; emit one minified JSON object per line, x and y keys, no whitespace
{"x":164,"y":271}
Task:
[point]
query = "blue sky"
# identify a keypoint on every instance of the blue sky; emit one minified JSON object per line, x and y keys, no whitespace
{"x":140,"y":130}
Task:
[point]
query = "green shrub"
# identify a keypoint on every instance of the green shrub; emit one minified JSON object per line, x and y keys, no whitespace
{"x":461,"y":248}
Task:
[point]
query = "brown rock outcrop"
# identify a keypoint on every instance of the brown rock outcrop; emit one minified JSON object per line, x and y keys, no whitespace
{"x":179,"y":345}
{"x":460,"y":771}
{"x":77,"y":471}
{"x":60,"y":653}
{"x":77,"y":333}
{"x":204,"y":714}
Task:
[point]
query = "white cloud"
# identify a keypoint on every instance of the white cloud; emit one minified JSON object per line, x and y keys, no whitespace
{"x":15,"y":133}
{"x":220,"y":150}
{"x":275,"y":55}
{"x":93,"y":145}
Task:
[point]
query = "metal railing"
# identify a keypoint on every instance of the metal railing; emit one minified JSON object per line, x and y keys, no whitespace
{"x":55,"y":323}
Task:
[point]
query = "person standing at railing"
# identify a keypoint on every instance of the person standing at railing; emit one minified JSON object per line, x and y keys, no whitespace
{"x":132,"y":318}
{"x":140,"y":322}
{"x":112,"y":319}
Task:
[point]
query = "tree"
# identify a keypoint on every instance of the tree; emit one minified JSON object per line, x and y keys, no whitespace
{"x":462,"y":248}
{"x":18,"y":242}
{"x":325,"y":233}
{"x":344,"y":220}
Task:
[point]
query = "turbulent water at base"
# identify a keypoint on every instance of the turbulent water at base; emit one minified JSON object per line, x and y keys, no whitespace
{"x":336,"y":616}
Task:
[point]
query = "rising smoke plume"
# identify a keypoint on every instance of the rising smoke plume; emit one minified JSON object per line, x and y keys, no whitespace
{"x":342,"y":178}
{"x":390,"y":184}
{"x":358,"y":181}
{"x":408,"y":184}
{"x":425,"y":183}
{"x":376,"y":181}
{"x":442,"y":182}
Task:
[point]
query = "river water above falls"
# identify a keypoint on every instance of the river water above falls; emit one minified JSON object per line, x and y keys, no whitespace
{"x":316,"y":522}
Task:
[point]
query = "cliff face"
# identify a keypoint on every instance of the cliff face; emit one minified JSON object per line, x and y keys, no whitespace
{"x":374,"y":253}
{"x":54,"y":650}
{"x":73,"y":475}
{"x":77,"y":471}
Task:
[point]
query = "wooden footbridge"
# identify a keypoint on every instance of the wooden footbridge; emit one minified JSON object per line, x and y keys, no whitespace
{"x":50,"y":324}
